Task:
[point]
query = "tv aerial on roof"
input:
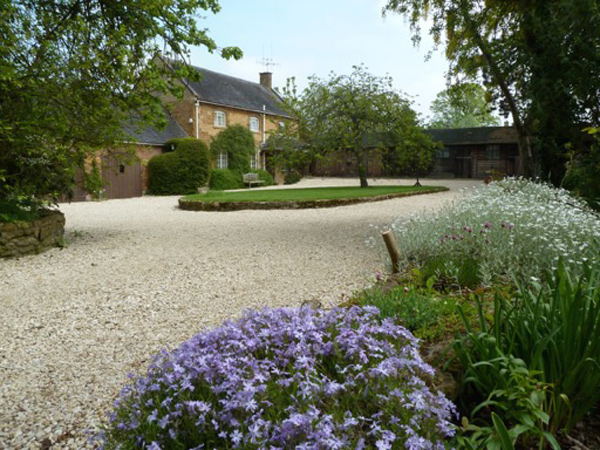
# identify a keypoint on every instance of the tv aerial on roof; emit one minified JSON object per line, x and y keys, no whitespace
{"x":267,"y":63}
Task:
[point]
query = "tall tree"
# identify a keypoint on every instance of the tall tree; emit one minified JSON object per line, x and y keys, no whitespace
{"x":462,"y":106}
{"x":71,"y":73}
{"x":359,"y":112}
{"x":537,"y":57}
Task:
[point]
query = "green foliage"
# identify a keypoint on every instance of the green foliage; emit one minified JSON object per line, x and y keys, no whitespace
{"x":537,"y":59}
{"x":238,"y":142}
{"x":71,"y":73}
{"x":222,"y":179}
{"x":292,"y":177}
{"x":12,"y":210}
{"x":582,"y":172}
{"x":359,"y":112}
{"x":413,"y":153}
{"x":462,"y":106}
{"x":264,"y":176}
{"x":92,"y":182}
{"x":537,"y":362}
{"x":179,"y":172}
{"x":414,"y":308}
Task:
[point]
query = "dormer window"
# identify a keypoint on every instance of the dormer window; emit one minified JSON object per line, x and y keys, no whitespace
{"x":220,"y":119}
{"x":254,"y":124}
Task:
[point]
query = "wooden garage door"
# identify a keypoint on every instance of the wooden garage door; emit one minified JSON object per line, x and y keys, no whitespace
{"x":121,"y":180}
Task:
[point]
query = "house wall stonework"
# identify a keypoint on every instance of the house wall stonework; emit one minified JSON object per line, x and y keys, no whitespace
{"x":145,"y":153}
{"x":234,"y":116}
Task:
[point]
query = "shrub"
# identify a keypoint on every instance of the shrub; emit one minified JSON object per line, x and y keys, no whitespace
{"x":179,"y":172}
{"x":413,"y":307}
{"x":238,"y":142}
{"x":510,"y":227}
{"x":292,"y":177}
{"x":286,"y":378}
{"x":265,"y":176}
{"x":582,"y":172}
{"x":13,"y":210}
{"x":222,"y":179}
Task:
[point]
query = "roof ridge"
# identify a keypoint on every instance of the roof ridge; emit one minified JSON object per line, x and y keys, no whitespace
{"x":228,"y":76}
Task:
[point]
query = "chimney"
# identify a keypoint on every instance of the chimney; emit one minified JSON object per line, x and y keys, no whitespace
{"x":266,"y":79}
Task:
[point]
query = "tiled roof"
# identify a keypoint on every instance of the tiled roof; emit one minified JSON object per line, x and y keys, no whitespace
{"x":237,"y":93}
{"x":151,"y":135}
{"x":481,"y":135}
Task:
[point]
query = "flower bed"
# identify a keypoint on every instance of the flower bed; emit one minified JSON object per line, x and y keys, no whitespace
{"x":287,"y":378}
{"x":509,"y":227}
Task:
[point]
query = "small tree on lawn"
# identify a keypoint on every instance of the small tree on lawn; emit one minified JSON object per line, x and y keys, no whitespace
{"x":353,"y":112}
{"x":413,"y":153}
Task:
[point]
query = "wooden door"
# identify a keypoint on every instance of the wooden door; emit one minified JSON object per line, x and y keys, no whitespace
{"x":121,"y":179}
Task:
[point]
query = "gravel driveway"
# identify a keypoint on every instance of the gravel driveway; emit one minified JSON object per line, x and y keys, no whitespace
{"x":139,"y":274}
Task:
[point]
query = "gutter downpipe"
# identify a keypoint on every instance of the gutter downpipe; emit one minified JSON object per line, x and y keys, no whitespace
{"x":264,"y":124}
{"x":197,"y":121}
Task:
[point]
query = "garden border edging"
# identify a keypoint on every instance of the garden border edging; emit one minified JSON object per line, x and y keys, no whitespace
{"x":198,"y":205}
{"x":26,"y":238}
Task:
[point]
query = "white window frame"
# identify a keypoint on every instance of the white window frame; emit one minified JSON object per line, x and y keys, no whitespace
{"x":253,"y":161}
{"x":254,"y":121}
{"x":222,"y":160}
{"x":220,"y":119}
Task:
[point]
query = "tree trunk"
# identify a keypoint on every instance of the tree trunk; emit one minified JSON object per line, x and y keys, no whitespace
{"x":526,"y":165}
{"x":418,"y":183}
{"x":362,"y":166}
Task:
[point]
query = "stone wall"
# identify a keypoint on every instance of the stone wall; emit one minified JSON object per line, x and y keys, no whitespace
{"x":24,"y":238}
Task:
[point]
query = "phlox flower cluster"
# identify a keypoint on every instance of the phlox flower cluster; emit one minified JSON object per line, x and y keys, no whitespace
{"x":286,"y":378}
{"x":513,"y":226}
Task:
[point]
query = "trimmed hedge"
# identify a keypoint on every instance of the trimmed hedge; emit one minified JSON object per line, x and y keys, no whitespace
{"x":238,"y":142}
{"x":265,"y":176}
{"x":222,"y":179}
{"x":182,"y":171}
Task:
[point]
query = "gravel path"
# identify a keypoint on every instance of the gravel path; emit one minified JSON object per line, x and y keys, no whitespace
{"x":139,"y":274}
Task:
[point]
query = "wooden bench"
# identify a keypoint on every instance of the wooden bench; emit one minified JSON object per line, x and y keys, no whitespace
{"x":252,"y":178}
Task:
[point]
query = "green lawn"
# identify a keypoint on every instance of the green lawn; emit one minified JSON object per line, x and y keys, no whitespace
{"x":325,"y":193}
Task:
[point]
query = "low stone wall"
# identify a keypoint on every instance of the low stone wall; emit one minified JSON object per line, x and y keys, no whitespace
{"x":198,"y":205}
{"x":25,"y":238}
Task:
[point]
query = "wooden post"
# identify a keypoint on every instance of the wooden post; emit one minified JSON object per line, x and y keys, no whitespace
{"x":392,"y":248}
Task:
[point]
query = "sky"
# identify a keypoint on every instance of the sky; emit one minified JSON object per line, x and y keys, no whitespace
{"x":312,"y":37}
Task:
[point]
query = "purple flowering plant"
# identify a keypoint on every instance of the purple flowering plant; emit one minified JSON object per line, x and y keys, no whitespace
{"x":286,"y":378}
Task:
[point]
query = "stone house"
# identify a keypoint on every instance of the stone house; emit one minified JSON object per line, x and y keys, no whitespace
{"x":124,"y":169}
{"x":218,"y":100}
{"x":207,"y":107}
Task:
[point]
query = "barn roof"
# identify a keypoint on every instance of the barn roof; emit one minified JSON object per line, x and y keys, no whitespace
{"x":480,"y":135}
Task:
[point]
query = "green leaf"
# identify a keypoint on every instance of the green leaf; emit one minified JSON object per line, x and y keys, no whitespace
{"x":502,"y":433}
